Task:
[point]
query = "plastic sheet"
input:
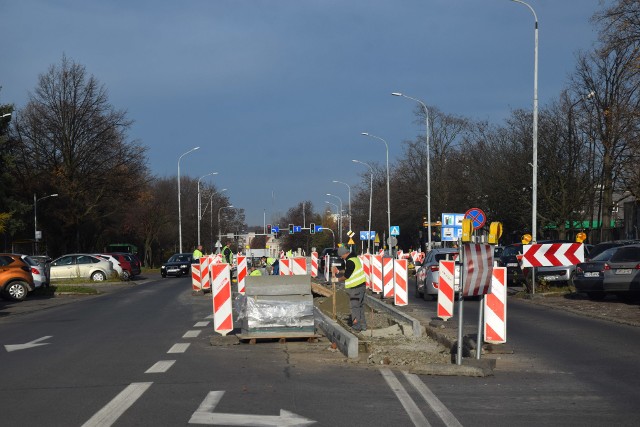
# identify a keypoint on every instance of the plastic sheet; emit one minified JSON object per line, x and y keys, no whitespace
{"x":260,"y":312}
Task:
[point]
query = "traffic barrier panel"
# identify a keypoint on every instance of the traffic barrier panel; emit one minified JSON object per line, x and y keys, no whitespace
{"x":495,"y":308}
{"x":195,"y":277}
{"x":205,"y":277}
{"x":366,"y":266}
{"x":446,"y":292}
{"x":387,"y":273}
{"x":298,"y":266}
{"x":400,"y":283}
{"x":285,"y":267}
{"x":221,"y":291}
{"x":314,"y":264}
{"x":376,"y":273}
{"x":327,"y":262}
{"x":242,"y":273}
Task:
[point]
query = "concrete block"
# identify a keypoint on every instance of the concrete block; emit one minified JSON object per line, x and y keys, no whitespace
{"x":346,"y":342}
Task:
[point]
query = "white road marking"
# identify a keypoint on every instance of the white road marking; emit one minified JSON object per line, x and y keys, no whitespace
{"x":179,"y":348}
{"x":192,"y":334}
{"x":410,"y":407}
{"x":209,"y":316}
{"x":438,"y":407}
{"x":201,"y":324}
{"x":110,"y":413}
{"x":160,"y":367}
{"x":30,"y":344}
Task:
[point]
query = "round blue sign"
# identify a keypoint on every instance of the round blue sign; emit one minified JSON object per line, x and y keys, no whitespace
{"x":477,"y":217}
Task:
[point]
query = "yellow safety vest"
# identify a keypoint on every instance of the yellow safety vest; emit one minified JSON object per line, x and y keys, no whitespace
{"x":256,"y":273}
{"x":357,"y":277}
{"x":197,"y":254}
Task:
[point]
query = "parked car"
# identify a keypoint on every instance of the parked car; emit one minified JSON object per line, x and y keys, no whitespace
{"x":561,"y":274}
{"x":178,"y":265}
{"x":622,"y":271}
{"x":37,"y":271}
{"x":589,"y":276}
{"x":16,"y":280}
{"x":81,"y":266}
{"x":603,"y":246}
{"x":44,"y":261}
{"x":134,"y":262}
{"x":122,"y":271}
{"x":428,"y":275}
{"x":509,"y":259}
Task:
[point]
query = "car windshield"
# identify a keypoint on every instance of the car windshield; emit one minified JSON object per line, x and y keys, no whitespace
{"x":627,"y":254}
{"x":511,"y":250}
{"x":179,"y":258}
{"x":605,"y":256}
{"x":30,"y":261}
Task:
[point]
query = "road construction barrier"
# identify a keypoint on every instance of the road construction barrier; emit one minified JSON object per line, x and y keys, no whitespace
{"x":387,"y":276}
{"x":285,"y":267}
{"x":195,"y":277}
{"x":366,"y":266}
{"x":242,"y":272}
{"x":327,"y":261}
{"x":205,"y":278}
{"x":314,"y":264}
{"x":446,"y":293}
{"x":495,"y":308}
{"x":221,"y":291}
{"x":376,"y":273}
{"x":400,"y":283}
{"x":399,"y":254}
{"x":298,"y":266}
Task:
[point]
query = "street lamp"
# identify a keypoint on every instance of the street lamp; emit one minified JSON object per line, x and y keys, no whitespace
{"x":370,"y":200}
{"x":199,"y":208}
{"x":337,"y":207}
{"x":179,"y":210}
{"x":5,"y":115}
{"x":534,"y":203}
{"x":35,"y":216}
{"x":388,"y":192}
{"x":426,"y":112}
{"x":349,"y":187}
{"x":219,"y":229}
{"x":340,"y":218}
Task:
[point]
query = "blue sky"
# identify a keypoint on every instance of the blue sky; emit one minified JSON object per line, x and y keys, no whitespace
{"x":277,"y":92}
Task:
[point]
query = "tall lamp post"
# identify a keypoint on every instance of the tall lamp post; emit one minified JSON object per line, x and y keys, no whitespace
{"x":340,"y":217}
{"x":388,"y":192}
{"x":179,"y":209}
{"x":337,"y":207}
{"x":219,"y":229}
{"x":35,"y":216}
{"x":426,"y":112}
{"x":349,"y":187}
{"x":199,"y":203}
{"x":211,"y":223}
{"x":370,"y":201}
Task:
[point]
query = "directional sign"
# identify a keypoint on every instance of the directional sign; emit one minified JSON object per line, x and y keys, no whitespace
{"x":297,"y":228}
{"x":364,"y":235}
{"x":275,"y":229}
{"x":30,"y":344}
{"x":318,"y":228}
{"x":552,"y":254}
{"x":206,"y":415}
{"x":477,"y":217}
{"x":395,"y":230}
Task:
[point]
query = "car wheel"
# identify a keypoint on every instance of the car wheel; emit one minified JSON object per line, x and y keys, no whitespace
{"x":164,"y":275}
{"x":125,"y":275}
{"x":17,"y":290}
{"x":417,"y":293}
{"x":596,"y":296}
{"x":425,"y":295}
{"x":179,"y":274}
{"x":98,"y":276}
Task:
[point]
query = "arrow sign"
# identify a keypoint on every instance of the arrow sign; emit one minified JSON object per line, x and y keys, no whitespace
{"x":552,"y":254}
{"x":205,"y":415}
{"x":31,"y":344}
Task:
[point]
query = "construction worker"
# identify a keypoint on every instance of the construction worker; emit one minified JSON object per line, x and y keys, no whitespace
{"x":289,"y":254}
{"x":354,"y":283}
{"x":227,"y":254}
{"x":255,"y":271}
{"x":197,"y":253}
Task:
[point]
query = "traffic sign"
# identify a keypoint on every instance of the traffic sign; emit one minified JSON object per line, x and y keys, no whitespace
{"x":392,"y":241}
{"x":275,"y":229}
{"x":364,"y":235}
{"x":350,"y":233}
{"x":297,"y":228}
{"x":319,"y":228}
{"x":477,"y":217}
{"x":350,"y":242}
{"x":395,"y":230}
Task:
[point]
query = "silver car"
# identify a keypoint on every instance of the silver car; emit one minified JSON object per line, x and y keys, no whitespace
{"x":428,"y":275}
{"x":81,"y":266}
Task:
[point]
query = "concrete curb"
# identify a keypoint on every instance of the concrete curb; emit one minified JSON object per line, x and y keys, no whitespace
{"x":347,"y":342}
{"x":395,"y":313}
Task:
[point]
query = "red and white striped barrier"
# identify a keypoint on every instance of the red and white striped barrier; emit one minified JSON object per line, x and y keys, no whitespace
{"x":298,"y":266}
{"x":399,"y":254}
{"x":195,"y":277}
{"x":327,"y":267}
{"x":446,"y":294}
{"x":376,"y":273}
{"x":314,"y":264}
{"x":414,"y":256}
{"x":366,"y":266}
{"x":205,"y":278}
{"x":387,"y":273}
{"x":495,"y":308}
{"x":221,"y":291}
{"x":401,"y":281}
{"x":285,"y":267}
{"x":242,"y":272}
{"x":478,"y":264}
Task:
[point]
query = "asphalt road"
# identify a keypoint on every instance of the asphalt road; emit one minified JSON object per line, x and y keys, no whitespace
{"x":142,"y":356}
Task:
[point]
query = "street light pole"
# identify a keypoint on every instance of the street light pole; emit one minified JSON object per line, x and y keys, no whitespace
{"x":426,"y":112}
{"x":179,"y":209}
{"x":211,"y":214}
{"x":35,"y":216}
{"x":340,"y":218}
{"x":334,"y":236}
{"x":388,"y":192}
{"x":370,"y":201}
{"x":219,"y":229}
{"x":349,"y":187}
{"x":199,"y":203}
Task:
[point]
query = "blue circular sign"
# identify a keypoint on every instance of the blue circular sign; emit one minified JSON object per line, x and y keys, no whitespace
{"x":477,"y":217}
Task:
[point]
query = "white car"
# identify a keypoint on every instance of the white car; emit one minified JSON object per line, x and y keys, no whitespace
{"x":82,"y":266}
{"x":39,"y":276}
{"x":122,"y":274}
{"x":428,"y":275}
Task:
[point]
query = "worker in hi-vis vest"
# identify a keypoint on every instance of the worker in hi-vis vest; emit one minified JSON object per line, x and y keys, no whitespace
{"x":354,"y":283}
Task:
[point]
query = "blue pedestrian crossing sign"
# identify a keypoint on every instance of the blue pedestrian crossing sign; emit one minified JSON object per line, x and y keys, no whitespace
{"x":395,"y":230}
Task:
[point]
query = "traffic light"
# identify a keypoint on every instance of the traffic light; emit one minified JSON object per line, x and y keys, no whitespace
{"x":290,"y":228}
{"x":268,"y":228}
{"x":312,"y":228}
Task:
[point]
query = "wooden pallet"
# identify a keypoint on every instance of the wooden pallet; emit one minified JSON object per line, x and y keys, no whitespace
{"x":282,"y":337}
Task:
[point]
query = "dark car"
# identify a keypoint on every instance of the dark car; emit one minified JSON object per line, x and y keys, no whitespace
{"x":335,"y":259}
{"x":178,"y":265}
{"x":603,"y":246}
{"x":509,"y":259}
{"x":589,"y":277}
{"x":622,"y":272}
